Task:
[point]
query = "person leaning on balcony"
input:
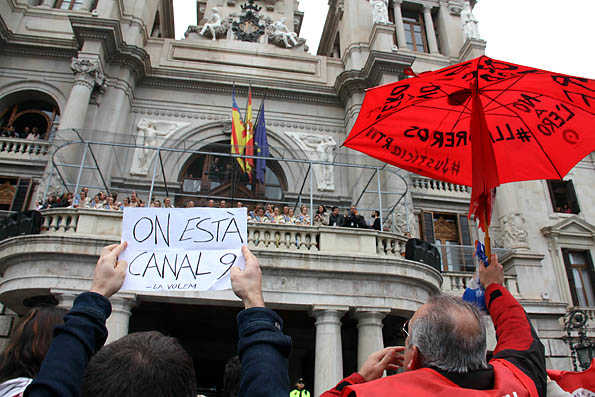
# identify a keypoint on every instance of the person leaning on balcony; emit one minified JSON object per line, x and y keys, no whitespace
{"x":321,"y":217}
{"x":445,"y":351}
{"x":353,"y":219}
{"x":376,"y":217}
{"x":303,"y":218}
{"x":167,"y":203}
{"x":335,"y":218}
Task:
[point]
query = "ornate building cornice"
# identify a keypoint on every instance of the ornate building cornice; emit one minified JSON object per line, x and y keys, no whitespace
{"x":378,"y":63}
{"x":116,"y":50}
{"x":211,"y":83}
{"x":20,"y":44}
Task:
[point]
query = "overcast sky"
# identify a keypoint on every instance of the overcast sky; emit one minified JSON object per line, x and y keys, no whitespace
{"x":547,"y":34}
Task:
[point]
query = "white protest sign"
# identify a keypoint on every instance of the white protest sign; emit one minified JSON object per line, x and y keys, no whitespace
{"x":180,"y":249}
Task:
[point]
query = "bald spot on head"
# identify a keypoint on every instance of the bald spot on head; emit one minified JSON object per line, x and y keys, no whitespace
{"x":464,"y":320}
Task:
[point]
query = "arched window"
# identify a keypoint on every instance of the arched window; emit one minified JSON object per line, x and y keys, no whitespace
{"x":28,"y":115}
{"x":221,"y":176}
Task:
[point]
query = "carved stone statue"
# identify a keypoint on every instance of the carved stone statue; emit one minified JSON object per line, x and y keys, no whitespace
{"x":151,"y":133}
{"x":470,"y":27}
{"x":318,"y":148}
{"x":514,"y":233}
{"x":380,"y":11}
{"x":280,"y":32}
{"x":214,"y":25}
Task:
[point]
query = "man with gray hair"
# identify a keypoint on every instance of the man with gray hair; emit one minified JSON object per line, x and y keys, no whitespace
{"x":445,"y":351}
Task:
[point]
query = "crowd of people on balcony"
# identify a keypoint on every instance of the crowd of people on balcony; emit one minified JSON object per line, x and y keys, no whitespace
{"x":28,"y":132}
{"x":261,"y":213}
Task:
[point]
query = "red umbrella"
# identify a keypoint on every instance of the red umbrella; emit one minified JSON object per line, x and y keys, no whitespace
{"x":480,"y":123}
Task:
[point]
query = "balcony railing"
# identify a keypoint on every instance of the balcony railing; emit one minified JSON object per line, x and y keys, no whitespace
{"x":432,"y":186}
{"x":23,"y":149}
{"x":456,"y":282}
{"x":321,"y":239}
{"x":265,"y":236}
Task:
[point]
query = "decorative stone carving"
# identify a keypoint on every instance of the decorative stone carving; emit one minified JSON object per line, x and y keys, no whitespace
{"x":399,"y":221}
{"x":88,"y":72}
{"x":151,"y":133}
{"x":249,"y":26}
{"x":215,"y":26}
{"x":470,"y":27}
{"x":318,"y":148}
{"x":514,"y":231}
{"x":280,"y":35}
{"x":380,"y":11}
{"x":455,"y":7}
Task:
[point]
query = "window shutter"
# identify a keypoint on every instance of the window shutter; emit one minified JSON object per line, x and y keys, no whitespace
{"x":464,"y":230}
{"x":20,"y":198}
{"x":572,"y":200}
{"x":570,"y":277}
{"x":590,"y":270}
{"x":428,"y":226}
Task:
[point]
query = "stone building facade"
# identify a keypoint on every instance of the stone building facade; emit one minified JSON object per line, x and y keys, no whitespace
{"x":106,"y":85}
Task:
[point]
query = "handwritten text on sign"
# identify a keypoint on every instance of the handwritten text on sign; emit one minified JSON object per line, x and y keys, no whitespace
{"x":182,"y":249}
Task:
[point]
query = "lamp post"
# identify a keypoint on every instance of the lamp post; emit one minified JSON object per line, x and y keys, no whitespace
{"x":584,"y":350}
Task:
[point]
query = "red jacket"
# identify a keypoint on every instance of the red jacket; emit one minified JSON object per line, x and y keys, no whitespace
{"x":571,"y":381}
{"x":518,"y":363}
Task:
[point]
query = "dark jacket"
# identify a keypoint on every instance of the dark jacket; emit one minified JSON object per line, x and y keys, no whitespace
{"x":74,"y":343}
{"x":356,"y":221}
{"x":517,"y":367}
{"x":262,"y":346}
{"x":336,"y":220}
{"x":376,"y":224}
{"x":263,"y":350}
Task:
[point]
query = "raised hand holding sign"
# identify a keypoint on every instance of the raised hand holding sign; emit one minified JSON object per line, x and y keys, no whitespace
{"x":182,"y":249}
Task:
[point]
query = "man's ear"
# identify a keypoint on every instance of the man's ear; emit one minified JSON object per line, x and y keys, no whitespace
{"x":416,"y":361}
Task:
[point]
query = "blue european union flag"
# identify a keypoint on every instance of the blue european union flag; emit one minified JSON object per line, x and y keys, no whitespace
{"x":261,"y":143}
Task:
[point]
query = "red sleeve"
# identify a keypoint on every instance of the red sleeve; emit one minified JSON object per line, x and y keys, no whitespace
{"x":518,"y":342}
{"x":352,"y":379}
{"x":513,"y":329}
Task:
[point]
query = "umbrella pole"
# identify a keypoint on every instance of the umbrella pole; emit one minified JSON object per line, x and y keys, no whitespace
{"x":486,"y":239}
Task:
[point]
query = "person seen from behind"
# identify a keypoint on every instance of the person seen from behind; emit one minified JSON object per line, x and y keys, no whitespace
{"x":21,"y":359}
{"x":445,"y":351}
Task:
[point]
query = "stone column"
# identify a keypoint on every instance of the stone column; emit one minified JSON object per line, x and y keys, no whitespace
{"x":117,"y":323}
{"x":430,"y":32}
{"x":328,"y":367}
{"x":369,"y":332}
{"x":65,"y":297}
{"x":88,"y":76}
{"x":401,"y":39}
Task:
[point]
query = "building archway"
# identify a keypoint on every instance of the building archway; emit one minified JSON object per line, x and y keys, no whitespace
{"x":210,"y":175}
{"x":28,"y":113}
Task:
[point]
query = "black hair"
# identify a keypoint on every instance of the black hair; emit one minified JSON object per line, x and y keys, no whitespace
{"x":141,"y":364}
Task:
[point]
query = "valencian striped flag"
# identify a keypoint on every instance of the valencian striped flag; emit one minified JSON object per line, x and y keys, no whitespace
{"x":261,"y":143}
{"x":237,"y":130}
{"x":249,"y":137}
